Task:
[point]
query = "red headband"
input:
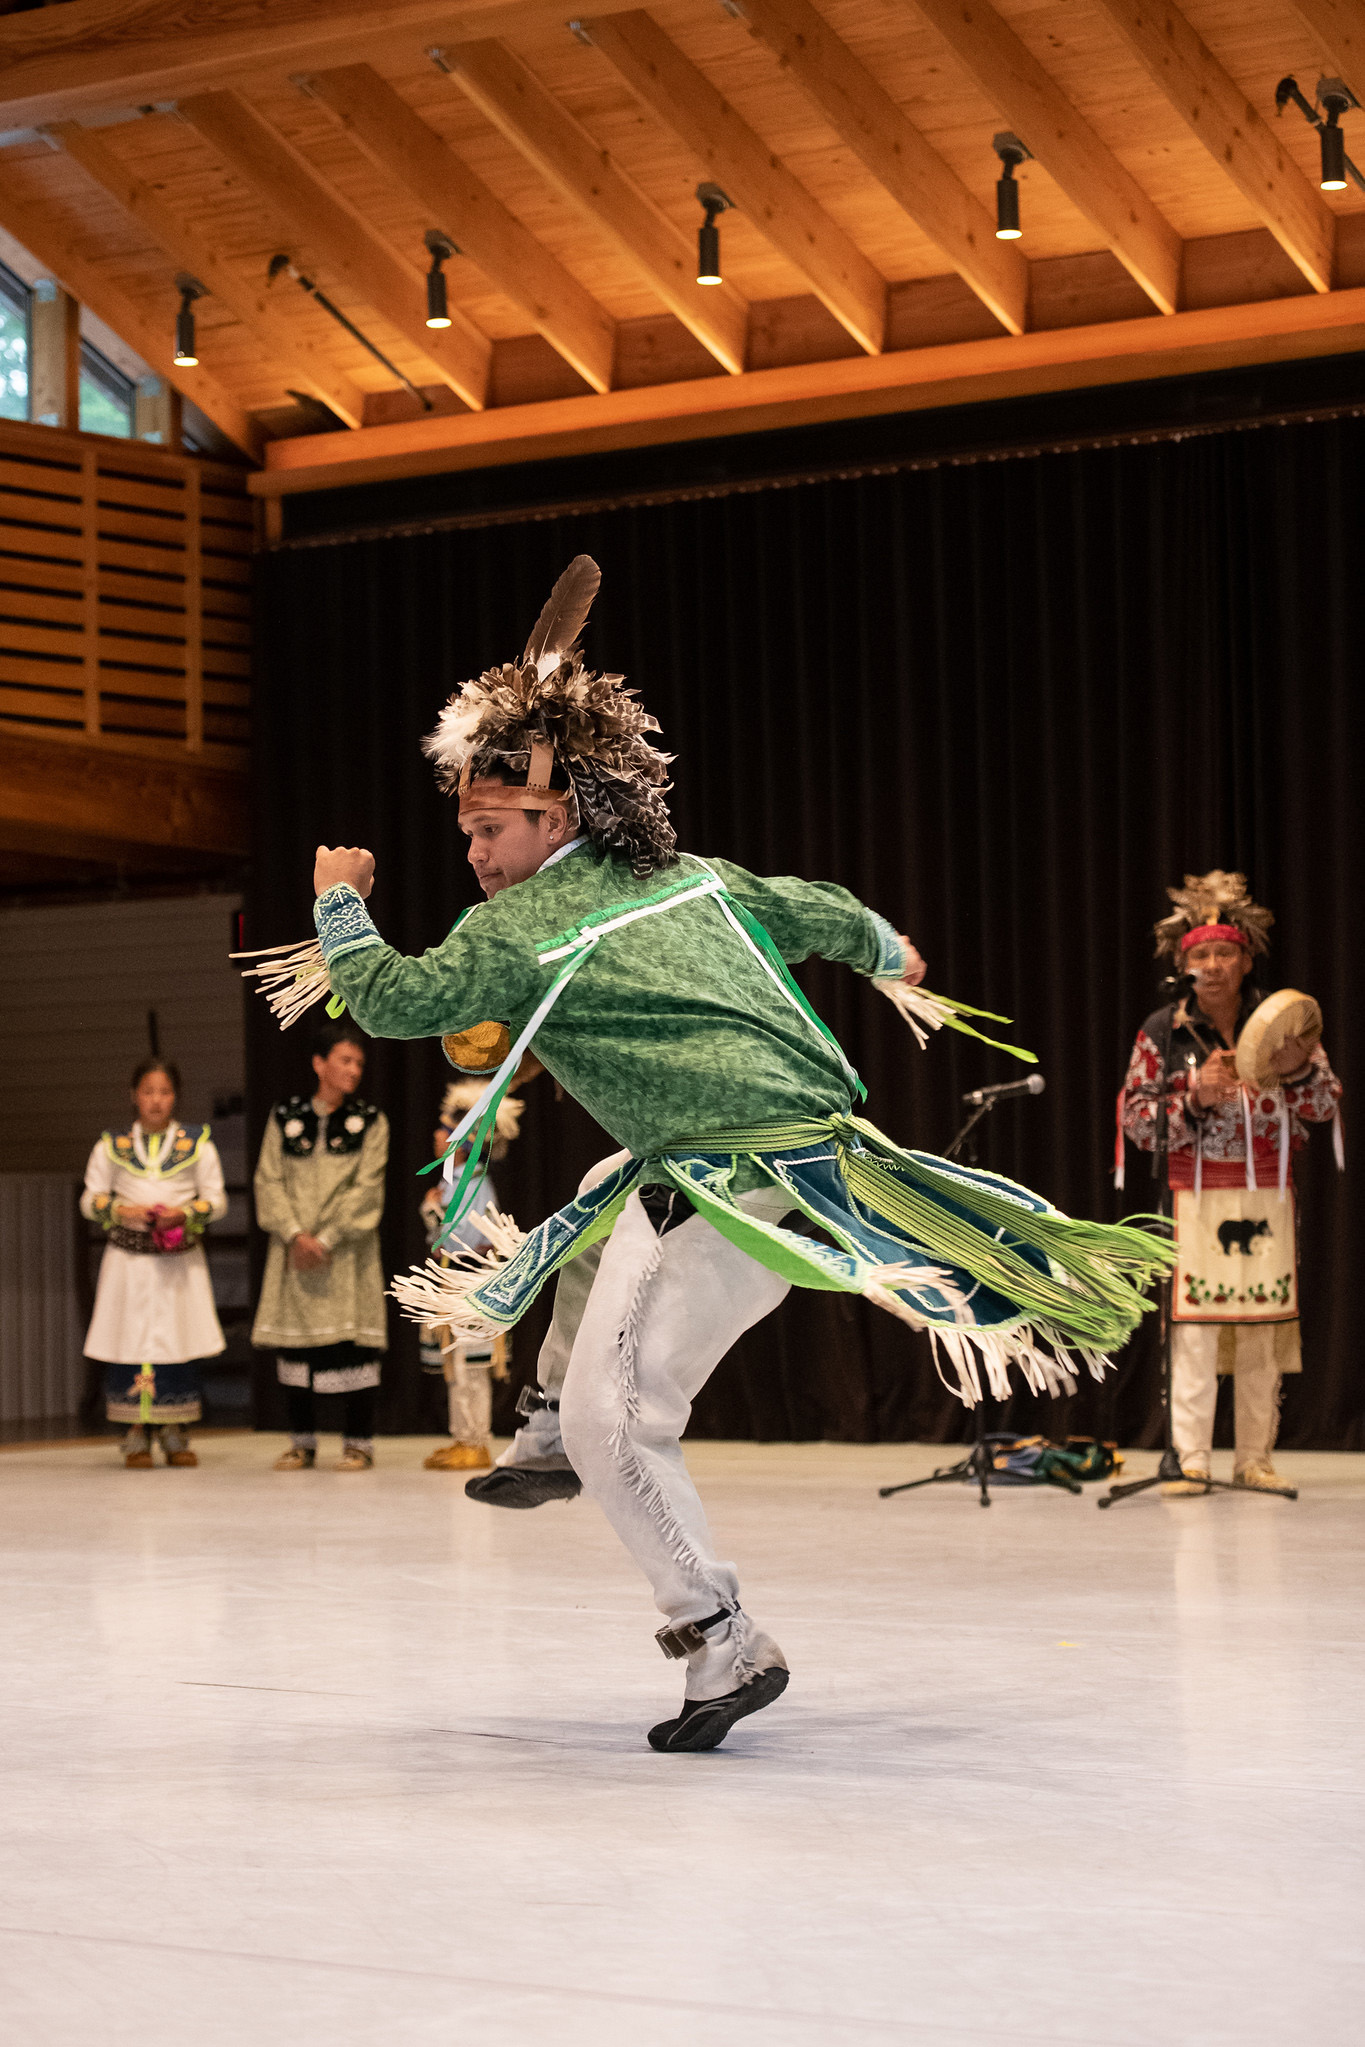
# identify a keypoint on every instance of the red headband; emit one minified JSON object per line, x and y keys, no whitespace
{"x":1214,"y":934}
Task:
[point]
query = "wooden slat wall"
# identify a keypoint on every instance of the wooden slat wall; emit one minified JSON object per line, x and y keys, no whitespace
{"x":124,"y":593}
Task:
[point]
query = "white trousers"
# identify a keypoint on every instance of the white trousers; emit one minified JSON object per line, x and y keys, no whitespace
{"x":538,"y":1445}
{"x":1194,"y":1392}
{"x":661,"y":1314}
{"x":640,"y":1323}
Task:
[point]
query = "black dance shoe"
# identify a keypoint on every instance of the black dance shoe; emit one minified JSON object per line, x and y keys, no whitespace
{"x":515,"y":1485}
{"x":704,"y":1723}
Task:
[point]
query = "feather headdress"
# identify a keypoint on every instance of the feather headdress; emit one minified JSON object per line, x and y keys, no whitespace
{"x":595,"y":727}
{"x":1212,"y":899}
{"x":463,"y":1094}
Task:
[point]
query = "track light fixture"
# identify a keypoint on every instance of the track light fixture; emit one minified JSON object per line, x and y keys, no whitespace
{"x":283,"y":265}
{"x":1011,"y":152}
{"x":715,"y":202}
{"x":186,"y":355}
{"x":1334,"y":98}
{"x":439,"y":247}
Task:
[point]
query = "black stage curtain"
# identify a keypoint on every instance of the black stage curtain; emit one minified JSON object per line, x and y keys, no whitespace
{"x":1005,"y":703}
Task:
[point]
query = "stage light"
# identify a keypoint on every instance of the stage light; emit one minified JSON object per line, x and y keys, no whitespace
{"x":439,"y":247}
{"x":1333,"y":144}
{"x":283,"y":265}
{"x":715,"y":202}
{"x":1334,"y":99}
{"x":1331,"y":140}
{"x":1011,"y":152}
{"x":186,"y":355}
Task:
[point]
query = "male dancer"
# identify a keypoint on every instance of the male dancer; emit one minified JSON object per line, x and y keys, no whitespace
{"x":655,"y":987}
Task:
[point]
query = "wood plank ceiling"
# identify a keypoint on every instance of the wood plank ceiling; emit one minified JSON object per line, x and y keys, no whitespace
{"x":1170,"y":218}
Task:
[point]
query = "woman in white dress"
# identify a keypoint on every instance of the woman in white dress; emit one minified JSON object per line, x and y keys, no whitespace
{"x":154,"y":1189}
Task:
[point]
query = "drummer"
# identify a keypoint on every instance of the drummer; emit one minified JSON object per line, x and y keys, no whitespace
{"x":1235,"y":1298}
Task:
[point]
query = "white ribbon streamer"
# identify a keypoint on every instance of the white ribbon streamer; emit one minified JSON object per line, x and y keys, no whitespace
{"x":1250,"y":1141}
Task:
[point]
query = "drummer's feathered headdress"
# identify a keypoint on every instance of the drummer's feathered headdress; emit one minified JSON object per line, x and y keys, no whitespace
{"x":569,"y":732}
{"x":1213,"y":905}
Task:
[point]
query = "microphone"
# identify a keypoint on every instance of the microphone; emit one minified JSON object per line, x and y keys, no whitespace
{"x":1178,"y":987}
{"x":986,"y":1097}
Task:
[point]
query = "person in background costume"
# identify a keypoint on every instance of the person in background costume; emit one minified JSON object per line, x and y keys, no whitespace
{"x":154,"y":1189}
{"x":320,"y":1193}
{"x":1230,"y":1154}
{"x":655,"y":986}
{"x":468,"y":1363}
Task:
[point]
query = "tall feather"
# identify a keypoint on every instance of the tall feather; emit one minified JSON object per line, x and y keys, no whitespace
{"x":564,"y":616}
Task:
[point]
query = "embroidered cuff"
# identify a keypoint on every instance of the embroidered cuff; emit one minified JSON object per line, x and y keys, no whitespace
{"x":890,"y":949}
{"x":343,"y":923}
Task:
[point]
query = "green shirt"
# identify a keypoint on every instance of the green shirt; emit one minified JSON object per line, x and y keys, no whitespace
{"x":672,"y":1027}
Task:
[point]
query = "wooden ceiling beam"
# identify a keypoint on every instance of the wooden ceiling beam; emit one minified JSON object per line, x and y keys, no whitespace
{"x":566,"y":155}
{"x":194,"y":249}
{"x":766,"y":192}
{"x":62,"y":248}
{"x":1064,"y":143}
{"x":855,"y":387}
{"x":380,"y":121}
{"x":1339,"y":26}
{"x":109,"y":792}
{"x":341,"y":238}
{"x":59,"y":62}
{"x":893,"y":150}
{"x":1232,"y":130}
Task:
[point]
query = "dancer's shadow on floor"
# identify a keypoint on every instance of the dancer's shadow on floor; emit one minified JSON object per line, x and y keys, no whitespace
{"x":889,"y":1743}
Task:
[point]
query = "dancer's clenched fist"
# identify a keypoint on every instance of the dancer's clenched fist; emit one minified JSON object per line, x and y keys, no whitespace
{"x":914,"y":969}
{"x":343,"y":863}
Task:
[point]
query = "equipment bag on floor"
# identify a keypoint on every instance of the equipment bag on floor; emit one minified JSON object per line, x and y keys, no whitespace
{"x":1033,"y":1460}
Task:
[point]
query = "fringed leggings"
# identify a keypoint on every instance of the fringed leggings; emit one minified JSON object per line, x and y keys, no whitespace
{"x":662,"y":1313}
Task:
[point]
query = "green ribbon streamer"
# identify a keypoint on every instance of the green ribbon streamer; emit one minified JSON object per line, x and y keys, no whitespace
{"x":958,"y":1010}
{"x":480,"y":1134}
{"x":763,"y":939}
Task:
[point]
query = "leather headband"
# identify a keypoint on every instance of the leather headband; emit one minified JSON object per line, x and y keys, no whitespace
{"x":535,"y":793}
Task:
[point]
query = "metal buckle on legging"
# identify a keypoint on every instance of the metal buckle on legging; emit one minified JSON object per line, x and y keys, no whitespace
{"x":681,"y":1641}
{"x":530,"y":1400}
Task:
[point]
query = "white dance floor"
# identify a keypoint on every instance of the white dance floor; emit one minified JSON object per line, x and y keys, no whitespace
{"x":324,"y":1759}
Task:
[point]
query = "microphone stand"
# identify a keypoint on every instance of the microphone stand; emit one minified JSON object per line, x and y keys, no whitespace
{"x":1170,"y":1467}
{"x":977,"y":1466}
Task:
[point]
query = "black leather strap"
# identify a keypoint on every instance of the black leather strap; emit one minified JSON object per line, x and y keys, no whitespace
{"x":690,"y":1635}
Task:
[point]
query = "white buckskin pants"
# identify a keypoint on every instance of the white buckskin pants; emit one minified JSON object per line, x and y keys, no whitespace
{"x":635,"y":1336}
{"x":539,"y":1445}
{"x":1256,"y":1390}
